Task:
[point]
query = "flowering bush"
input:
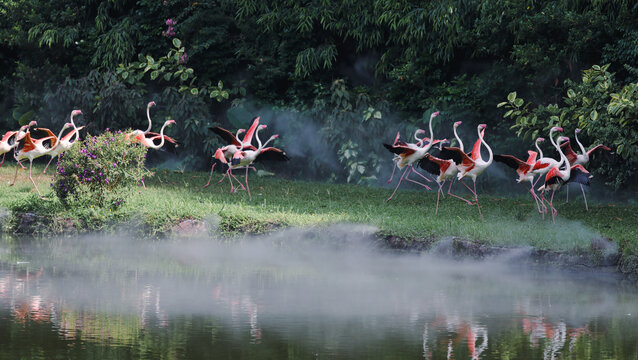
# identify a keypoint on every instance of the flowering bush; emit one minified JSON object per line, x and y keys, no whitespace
{"x":99,"y":171}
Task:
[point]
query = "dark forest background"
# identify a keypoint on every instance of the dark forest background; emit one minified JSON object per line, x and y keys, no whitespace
{"x":335,"y":78}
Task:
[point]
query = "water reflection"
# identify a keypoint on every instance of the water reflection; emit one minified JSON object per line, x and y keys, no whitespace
{"x":269,"y":298}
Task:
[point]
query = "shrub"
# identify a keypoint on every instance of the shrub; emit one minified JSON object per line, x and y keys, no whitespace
{"x":101,"y":171}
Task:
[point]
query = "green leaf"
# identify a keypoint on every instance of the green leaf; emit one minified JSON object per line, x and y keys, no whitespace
{"x":214,"y":93}
{"x":377,"y":114}
{"x":177,"y":43}
{"x":183,"y":77}
{"x":26,"y":117}
{"x":225,"y":94}
{"x":511,"y":96}
{"x":194,"y":91}
{"x":125,"y":75}
{"x":571,"y":93}
{"x":594,"y":115}
{"x":508,"y":113}
{"x":167,"y":76}
{"x":518,"y":102}
{"x":150,"y":60}
{"x":501,"y":104}
{"x":220,"y":85}
{"x":154,"y":75}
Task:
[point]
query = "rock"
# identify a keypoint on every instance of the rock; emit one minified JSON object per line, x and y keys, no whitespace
{"x":189,"y":227}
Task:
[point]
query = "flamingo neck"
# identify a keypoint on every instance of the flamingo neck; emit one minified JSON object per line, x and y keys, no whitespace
{"x":419,"y":141}
{"x":580,"y":145}
{"x":458,"y":139}
{"x":431,"y":133}
{"x":540,"y":152}
{"x":77,"y":133}
{"x":563,"y":161}
{"x":162,"y":136}
{"x":148,"y":116}
{"x":259,"y":145}
{"x":489,"y":149}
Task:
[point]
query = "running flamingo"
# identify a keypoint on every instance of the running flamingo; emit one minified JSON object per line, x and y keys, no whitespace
{"x":410,"y":154}
{"x":581,"y":159}
{"x":65,"y":142}
{"x":472,"y":166}
{"x":10,"y":140}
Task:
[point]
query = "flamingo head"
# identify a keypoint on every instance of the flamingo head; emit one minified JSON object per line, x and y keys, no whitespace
{"x":241,"y":131}
{"x":577,"y":131}
{"x":275,"y":136}
{"x":67,"y":125}
{"x":444,"y":141}
{"x":540,"y":139}
{"x":563,"y":139}
{"x":76,"y":112}
{"x":456,"y":124}
{"x":151,"y":104}
{"x":24,"y":128}
{"x":32,"y":123}
{"x":262,"y":127}
{"x":169,"y":122}
{"x":256,"y":118}
{"x":436,"y":113}
{"x":482,"y":126}
{"x":557,"y":128}
{"x":420,"y":131}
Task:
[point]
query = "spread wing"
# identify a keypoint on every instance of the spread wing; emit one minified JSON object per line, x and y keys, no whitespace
{"x":455,"y":154}
{"x":400,"y":149}
{"x":226,"y":135}
{"x":569,"y":152}
{"x":272,"y":154}
{"x":434,"y":165}
{"x":579,"y":174}
{"x":513,"y":162}
{"x":40,"y":133}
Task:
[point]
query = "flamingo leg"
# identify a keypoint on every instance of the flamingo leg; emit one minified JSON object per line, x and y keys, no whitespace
{"x":211,"y":175}
{"x":49,"y":163}
{"x":535,"y":197}
{"x":247,"y":188}
{"x":584,"y":197}
{"x":16,"y":174}
{"x":395,"y":189}
{"x":3,"y":155}
{"x":416,"y":182}
{"x":567,"y":193}
{"x":31,"y":178}
{"x":477,"y":202}
{"x":551,"y":205}
{"x":456,"y":196}
{"x":393,"y":170}
{"x":438,"y":194}
{"x":418,"y":173}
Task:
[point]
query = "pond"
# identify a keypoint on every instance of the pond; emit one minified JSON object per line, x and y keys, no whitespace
{"x":298,"y":294}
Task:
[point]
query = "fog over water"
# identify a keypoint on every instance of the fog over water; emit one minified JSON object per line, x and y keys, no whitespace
{"x":310,"y":285}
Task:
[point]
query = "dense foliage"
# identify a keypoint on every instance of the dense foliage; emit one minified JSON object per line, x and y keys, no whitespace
{"x":398,"y":59}
{"x":100,"y":171}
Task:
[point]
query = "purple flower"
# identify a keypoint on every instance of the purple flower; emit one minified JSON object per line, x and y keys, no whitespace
{"x":183,"y":59}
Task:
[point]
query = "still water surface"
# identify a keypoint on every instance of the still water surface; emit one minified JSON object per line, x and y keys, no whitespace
{"x":298,"y":295}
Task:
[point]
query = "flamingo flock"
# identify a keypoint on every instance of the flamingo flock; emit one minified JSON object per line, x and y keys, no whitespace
{"x":450,"y":163}
{"x":453,"y":163}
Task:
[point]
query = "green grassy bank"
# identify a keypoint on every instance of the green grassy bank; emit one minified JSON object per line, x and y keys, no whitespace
{"x":171,"y":197}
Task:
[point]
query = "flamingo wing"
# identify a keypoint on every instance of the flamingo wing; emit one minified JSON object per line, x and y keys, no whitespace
{"x":531,"y":160}
{"x":68,"y":136}
{"x":434,"y":165}
{"x":457,"y":155}
{"x":569,"y":152}
{"x":8,"y":135}
{"x":44,"y":132}
{"x":401,"y":150}
{"x":226,"y":135}
{"x":513,"y":162}
{"x":248,"y":138}
{"x":26,"y":143}
{"x":272,"y":154}
{"x":476,"y":149}
{"x":601,"y":146}
{"x":153,"y":136}
{"x":579,"y":174}
{"x":553,"y":177}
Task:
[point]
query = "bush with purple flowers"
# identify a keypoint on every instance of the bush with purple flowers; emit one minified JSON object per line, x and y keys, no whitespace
{"x":100,"y":171}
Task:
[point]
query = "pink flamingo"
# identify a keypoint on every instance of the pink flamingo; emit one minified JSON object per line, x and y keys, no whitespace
{"x":34,"y":148}
{"x":579,"y":159}
{"x":410,"y":154}
{"x":443,"y":169}
{"x":523,"y":169}
{"x":10,"y":140}
{"x":398,"y":141}
{"x":67,"y":141}
{"x":472,"y":166}
{"x":556,"y":177}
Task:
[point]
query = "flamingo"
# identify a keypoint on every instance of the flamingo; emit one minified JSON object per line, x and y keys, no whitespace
{"x":244,"y":158}
{"x":23,"y":130}
{"x":443,"y":169}
{"x":10,"y":140}
{"x":139,"y":135}
{"x":234,"y":143}
{"x":149,"y":141}
{"x":523,"y":169}
{"x":34,"y":148}
{"x":410,"y":154}
{"x":472,"y":166}
{"x":556,"y":177}
{"x":65,"y":142}
{"x":582,"y":159}
{"x":398,"y":141}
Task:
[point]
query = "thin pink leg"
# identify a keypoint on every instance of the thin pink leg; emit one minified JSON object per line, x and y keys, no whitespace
{"x":566,"y":193}
{"x":3,"y":155}
{"x":416,"y":182}
{"x":551,"y":205}
{"x":395,"y":189}
{"x":247,"y":188}
{"x":31,"y":178}
{"x":584,"y":197}
{"x":477,"y":202}
{"x":393,"y":170}
{"x":418,"y":173}
{"x":211,"y":175}
{"x":438,"y":194}
{"x":456,"y":196}
{"x":16,"y":174}
{"x":231,"y":176}
{"x":46,"y":167}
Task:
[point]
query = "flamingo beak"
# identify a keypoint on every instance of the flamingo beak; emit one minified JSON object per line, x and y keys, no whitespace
{"x":435,"y":113}
{"x":483,"y":126}
{"x":577,"y":131}
{"x":458,"y":123}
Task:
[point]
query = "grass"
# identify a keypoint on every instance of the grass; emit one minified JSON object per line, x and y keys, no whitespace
{"x":172,"y":196}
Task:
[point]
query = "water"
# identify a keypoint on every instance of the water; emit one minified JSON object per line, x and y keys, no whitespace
{"x":299,"y":295}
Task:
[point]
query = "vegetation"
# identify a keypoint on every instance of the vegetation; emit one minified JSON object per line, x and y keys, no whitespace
{"x":336,"y":69}
{"x":99,"y":171}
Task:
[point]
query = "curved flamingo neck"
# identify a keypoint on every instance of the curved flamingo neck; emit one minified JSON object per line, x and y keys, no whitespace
{"x":162,"y":136}
{"x":580,"y":145}
{"x":489,"y":149}
{"x":540,"y":152}
{"x":458,"y":139}
{"x":148,"y":116}
{"x":563,"y":161}
{"x":77,"y":133}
